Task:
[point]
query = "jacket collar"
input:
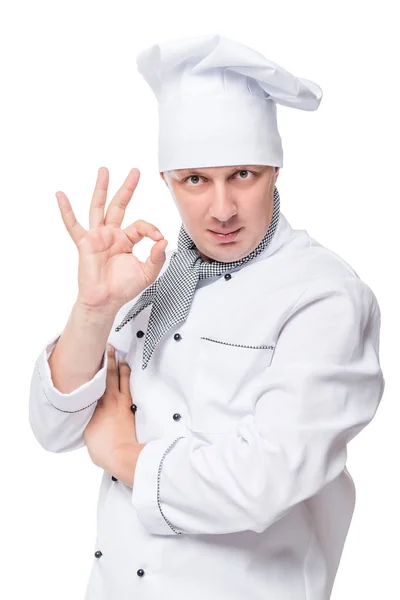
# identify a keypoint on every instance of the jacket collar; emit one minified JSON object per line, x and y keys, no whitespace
{"x":282,"y":235}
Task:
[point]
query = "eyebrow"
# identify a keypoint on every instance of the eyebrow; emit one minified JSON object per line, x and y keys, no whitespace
{"x":234,"y":168}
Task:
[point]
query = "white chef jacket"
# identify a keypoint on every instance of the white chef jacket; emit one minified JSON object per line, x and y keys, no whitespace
{"x":246,"y":409}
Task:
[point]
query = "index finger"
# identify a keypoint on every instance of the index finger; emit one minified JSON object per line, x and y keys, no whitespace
{"x":140,"y":229}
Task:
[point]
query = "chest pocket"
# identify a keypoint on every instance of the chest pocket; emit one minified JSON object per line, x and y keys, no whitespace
{"x":225,"y":383}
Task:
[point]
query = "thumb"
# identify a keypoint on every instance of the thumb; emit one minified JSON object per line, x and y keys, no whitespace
{"x":156,"y":259}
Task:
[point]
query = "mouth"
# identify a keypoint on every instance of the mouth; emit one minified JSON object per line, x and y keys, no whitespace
{"x":225,"y":236}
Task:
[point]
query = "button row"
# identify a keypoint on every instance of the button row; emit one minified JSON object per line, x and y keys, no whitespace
{"x":139,"y":572}
{"x":175,"y":416}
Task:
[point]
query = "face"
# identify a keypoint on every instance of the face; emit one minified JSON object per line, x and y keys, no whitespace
{"x":224,"y":199}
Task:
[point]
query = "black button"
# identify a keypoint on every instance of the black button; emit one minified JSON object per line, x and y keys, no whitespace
{"x":140,"y":333}
{"x":98,"y":553}
{"x":228,"y":276}
{"x":140,"y":572}
{"x":177,"y":337}
{"x":114,"y":478}
{"x":133,"y":408}
{"x":176,"y":417}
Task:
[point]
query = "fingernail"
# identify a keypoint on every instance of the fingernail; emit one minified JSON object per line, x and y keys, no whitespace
{"x":109,"y":348}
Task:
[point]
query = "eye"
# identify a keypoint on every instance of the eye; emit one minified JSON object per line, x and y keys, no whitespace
{"x":244,"y":171}
{"x":192,"y":177}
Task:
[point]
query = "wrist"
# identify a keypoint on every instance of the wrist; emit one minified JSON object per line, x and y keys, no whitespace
{"x":95,"y":316}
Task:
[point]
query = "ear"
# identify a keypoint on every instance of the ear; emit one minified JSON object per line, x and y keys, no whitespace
{"x":165,"y":179}
{"x":277,"y":172}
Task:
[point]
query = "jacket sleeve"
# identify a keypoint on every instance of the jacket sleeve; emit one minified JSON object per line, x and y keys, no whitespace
{"x":58,"y":420}
{"x":323,"y":387}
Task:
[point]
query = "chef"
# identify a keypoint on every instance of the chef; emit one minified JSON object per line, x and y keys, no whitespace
{"x":233,"y":383}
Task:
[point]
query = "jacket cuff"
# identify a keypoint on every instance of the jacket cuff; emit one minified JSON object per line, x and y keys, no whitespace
{"x":80,"y":398}
{"x":147,"y":487}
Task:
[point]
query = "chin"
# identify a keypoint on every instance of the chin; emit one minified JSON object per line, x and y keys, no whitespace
{"x":228,"y":256}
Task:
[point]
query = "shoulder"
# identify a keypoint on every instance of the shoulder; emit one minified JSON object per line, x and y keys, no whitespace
{"x":316,"y":268}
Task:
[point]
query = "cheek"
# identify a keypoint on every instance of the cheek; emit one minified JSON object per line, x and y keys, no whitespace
{"x":252,"y":211}
{"x":192,"y":212}
{"x":259,"y":207}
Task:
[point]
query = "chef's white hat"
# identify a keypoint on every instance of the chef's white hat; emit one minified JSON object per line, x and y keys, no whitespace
{"x":217,"y":102}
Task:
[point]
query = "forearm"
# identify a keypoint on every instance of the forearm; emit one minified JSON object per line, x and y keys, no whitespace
{"x":77,"y":355}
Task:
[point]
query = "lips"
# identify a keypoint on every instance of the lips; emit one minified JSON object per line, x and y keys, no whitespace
{"x":223,"y":232}
{"x":225,"y":238}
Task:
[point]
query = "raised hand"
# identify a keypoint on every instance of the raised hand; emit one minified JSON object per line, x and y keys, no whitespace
{"x":109,"y":275}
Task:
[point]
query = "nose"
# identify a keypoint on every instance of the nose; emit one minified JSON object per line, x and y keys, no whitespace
{"x":223,"y":206}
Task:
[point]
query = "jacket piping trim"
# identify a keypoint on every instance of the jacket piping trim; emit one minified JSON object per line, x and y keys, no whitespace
{"x":239,"y":345}
{"x":158,"y":484}
{"x":56,"y":407}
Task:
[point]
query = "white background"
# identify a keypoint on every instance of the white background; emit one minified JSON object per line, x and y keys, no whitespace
{"x":72,"y":101}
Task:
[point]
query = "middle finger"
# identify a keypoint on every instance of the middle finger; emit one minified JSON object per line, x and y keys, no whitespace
{"x":96,"y":212}
{"x":112,"y":378}
{"x":116,"y":210}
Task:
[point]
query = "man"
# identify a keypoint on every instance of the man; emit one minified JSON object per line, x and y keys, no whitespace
{"x":241,"y":363}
